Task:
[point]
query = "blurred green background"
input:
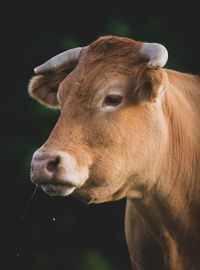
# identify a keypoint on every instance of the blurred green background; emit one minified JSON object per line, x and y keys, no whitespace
{"x":62,"y":233}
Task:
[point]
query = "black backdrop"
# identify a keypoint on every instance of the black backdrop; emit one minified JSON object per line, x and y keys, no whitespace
{"x":62,"y":233}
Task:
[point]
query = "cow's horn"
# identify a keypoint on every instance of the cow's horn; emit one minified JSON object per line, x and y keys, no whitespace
{"x":155,"y":53}
{"x":62,"y":61}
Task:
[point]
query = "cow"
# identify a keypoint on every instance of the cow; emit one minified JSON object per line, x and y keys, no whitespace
{"x":128,"y":128}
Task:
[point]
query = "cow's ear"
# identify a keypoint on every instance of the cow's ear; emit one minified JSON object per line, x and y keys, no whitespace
{"x":153,"y":84}
{"x":44,"y":88}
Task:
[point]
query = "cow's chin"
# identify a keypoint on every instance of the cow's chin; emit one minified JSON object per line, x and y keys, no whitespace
{"x":90,"y":195}
{"x":58,"y":190}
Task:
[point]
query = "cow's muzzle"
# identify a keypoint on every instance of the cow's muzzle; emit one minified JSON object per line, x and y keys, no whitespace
{"x":57,"y":172}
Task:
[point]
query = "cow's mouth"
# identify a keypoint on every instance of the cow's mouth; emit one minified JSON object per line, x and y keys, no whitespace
{"x":58,"y":189}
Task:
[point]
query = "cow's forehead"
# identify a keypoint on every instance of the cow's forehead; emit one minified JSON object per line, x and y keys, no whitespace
{"x":109,"y":54}
{"x":105,"y":60}
{"x":87,"y":86}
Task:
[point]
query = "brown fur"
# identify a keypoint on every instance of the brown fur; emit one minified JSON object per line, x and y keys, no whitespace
{"x":44,"y":88}
{"x":147,"y":151}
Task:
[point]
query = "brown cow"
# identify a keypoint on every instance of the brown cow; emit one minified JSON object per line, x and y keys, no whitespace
{"x":128,"y":129}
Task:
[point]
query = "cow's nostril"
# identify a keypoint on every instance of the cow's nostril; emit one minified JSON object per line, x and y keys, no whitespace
{"x":52,"y":164}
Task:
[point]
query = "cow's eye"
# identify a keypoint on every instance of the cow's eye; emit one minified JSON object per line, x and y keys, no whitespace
{"x":112,"y":100}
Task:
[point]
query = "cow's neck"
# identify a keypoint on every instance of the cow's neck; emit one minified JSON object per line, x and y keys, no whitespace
{"x":180,"y":166}
{"x":172,"y":209}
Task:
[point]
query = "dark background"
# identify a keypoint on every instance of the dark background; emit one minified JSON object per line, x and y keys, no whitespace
{"x":62,"y":233}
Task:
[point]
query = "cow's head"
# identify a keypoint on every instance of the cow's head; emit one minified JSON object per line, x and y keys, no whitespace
{"x":107,"y":140}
